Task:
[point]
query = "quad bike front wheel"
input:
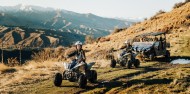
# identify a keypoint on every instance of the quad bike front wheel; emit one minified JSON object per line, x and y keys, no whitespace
{"x":129,"y":64}
{"x":93,"y":76}
{"x":113,"y":63}
{"x":58,"y":79}
{"x":137,"y":63}
{"x":122,"y":63}
{"x":82,"y":81}
{"x":151,"y":57}
{"x":167,"y":56}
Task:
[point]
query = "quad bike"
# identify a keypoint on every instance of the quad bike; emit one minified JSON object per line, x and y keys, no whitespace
{"x":125,"y":59}
{"x":81,"y":72}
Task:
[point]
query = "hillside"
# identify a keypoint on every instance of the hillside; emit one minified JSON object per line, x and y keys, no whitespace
{"x":59,"y":27}
{"x":29,"y":37}
{"x":176,"y":23}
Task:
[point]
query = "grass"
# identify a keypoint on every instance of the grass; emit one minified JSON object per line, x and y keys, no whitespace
{"x":151,"y":77}
{"x":169,"y":81}
{"x":31,"y":73}
{"x":6,"y":69}
{"x":35,"y":83}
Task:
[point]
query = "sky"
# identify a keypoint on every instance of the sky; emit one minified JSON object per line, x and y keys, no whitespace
{"x":105,"y":8}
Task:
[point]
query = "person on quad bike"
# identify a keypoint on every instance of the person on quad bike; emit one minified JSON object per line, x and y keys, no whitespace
{"x":127,"y":48}
{"x":79,"y":54}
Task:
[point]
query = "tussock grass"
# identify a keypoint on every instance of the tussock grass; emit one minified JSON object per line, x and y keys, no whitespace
{"x":6,"y":69}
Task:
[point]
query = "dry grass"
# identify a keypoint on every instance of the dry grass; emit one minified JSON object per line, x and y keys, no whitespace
{"x":168,"y":81}
{"x":174,"y":22}
{"x":6,"y":69}
{"x":30,"y":73}
{"x":49,"y":54}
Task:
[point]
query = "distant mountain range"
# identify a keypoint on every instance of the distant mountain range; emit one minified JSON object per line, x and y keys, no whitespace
{"x":35,"y":17}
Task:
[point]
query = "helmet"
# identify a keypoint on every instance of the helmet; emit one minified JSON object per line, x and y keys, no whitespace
{"x":127,"y":42}
{"x":78,"y":43}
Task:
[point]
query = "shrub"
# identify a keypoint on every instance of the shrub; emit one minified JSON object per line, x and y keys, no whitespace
{"x":117,"y":30}
{"x":13,"y":62}
{"x":6,"y":69}
{"x":47,"y":54}
{"x":188,"y":16}
{"x":158,"y":13}
{"x":177,"y":5}
{"x":89,"y":39}
{"x":104,"y":39}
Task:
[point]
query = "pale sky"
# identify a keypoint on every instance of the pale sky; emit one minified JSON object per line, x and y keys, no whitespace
{"x":105,"y":8}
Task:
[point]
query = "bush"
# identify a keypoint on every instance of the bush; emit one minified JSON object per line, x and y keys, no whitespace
{"x":158,"y":13}
{"x":49,"y":54}
{"x":89,"y":39}
{"x":13,"y":62}
{"x":117,"y":30}
{"x":177,"y":5}
{"x":188,"y":16}
{"x":104,"y":39}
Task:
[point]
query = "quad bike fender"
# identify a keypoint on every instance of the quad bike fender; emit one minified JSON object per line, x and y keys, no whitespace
{"x":66,"y":65}
{"x":89,"y":65}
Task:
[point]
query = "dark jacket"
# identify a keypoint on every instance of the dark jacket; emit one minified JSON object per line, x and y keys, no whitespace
{"x":80,"y":55}
{"x":127,"y":49}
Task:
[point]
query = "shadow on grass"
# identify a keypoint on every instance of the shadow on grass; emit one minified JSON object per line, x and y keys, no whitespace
{"x":148,"y":81}
{"x":163,"y":59}
{"x":180,"y":57}
{"x":115,"y":83}
{"x":107,"y":85}
{"x":9,"y":70}
{"x":145,"y":70}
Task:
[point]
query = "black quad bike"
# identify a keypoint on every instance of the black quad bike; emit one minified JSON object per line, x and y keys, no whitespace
{"x":77,"y":73}
{"x":125,"y":59}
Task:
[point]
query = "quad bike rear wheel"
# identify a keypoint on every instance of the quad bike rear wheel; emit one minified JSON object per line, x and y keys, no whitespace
{"x":113,"y":63}
{"x":82,"y":81}
{"x":93,"y":76}
{"x":137,"y":63}
{"x":58,"y":79}
{"x":122,"y":63}
{"x":151,"y":57}
{"x":167,"y":56}
{"x":129,"y":64}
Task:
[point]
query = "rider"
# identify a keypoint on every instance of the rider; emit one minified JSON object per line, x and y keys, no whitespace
{"x":127,"y":49}
{"x":79,"y":53}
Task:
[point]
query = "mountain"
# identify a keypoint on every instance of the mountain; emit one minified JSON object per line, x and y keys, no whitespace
{"x":49,"y":18}
{"x":31,"y":37}
{"x":70,"y":25}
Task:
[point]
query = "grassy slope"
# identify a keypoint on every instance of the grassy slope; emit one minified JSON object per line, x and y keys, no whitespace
{"x":46,"y":86}
{"x":152,"y":77}
{"x":175,"y":22}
